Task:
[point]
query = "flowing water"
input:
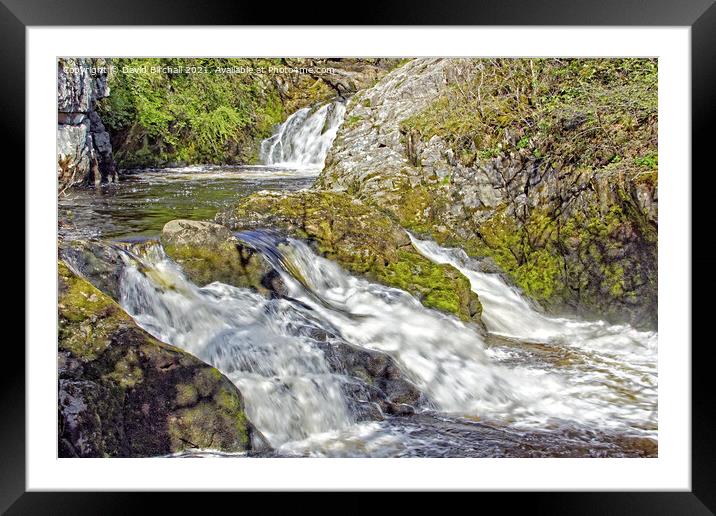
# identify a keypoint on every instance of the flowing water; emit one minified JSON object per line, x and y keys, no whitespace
{"x":268,"y":349}
{"x":611,"y":369}
{"x":304,"y":139}
{"x":143,"y":201}
{"x":533,"y":385}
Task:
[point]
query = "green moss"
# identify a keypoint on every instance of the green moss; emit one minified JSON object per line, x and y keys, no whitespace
{"x":127,"y":372}
{"x":219,"y":423}
{"x":436,"y":286}
{"x":87,"y":318}
{"x":186,"y":395}
{"x":351,"y":121}
{"x":225,"y":262}
{"x":585,"y":255}
{"x":363,"y":240}
{"x":541,"y":275}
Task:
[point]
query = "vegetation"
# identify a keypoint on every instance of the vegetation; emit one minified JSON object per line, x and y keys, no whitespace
{"x":200,"y":110}
{"x":576,"y":112}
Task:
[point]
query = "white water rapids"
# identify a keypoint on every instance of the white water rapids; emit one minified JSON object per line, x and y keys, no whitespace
{"x":304,"y":139}
{"x":605,"y":377}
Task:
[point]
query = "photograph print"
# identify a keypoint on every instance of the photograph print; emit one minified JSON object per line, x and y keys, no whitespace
{"x":357,"y":257}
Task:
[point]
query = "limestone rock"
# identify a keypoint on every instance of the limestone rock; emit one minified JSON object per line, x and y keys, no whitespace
{"x":553,"y":227}
{"x":84,"y":150}
{"x":208,"y":252}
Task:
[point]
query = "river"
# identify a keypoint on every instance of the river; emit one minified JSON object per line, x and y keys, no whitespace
{"x":533,"y":386}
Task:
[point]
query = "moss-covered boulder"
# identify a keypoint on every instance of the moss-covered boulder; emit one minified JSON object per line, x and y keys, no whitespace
{"x":100,"y":262}
{"x":123,"y":393}
{"x":209,"y":252}
{"x":361,"y":239}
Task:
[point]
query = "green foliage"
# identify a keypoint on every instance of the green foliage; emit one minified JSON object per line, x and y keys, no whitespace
{"x":581,"y":112}
{"x":649,"y":160}
{"x":196,"y":113}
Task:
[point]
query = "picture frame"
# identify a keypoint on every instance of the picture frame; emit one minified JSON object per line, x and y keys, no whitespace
{"x":699,"y":15}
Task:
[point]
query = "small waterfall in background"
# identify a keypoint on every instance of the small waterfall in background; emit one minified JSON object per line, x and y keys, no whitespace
{"x":304,"y":139}
{"x":605,"y":377}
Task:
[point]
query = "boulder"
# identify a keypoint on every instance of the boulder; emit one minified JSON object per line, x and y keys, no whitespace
{"x":122,"y":393}
{"x":99,"y":262}
{"x":209,"y":252}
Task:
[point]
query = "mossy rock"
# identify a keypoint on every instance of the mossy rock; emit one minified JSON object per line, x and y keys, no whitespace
{"x":209,"y":252}
{"x":100,"y":262}
{"x":122,"y":393}
{"x":360,"y":238}
{"x":547,"y":166}
{"x":596,"y":263}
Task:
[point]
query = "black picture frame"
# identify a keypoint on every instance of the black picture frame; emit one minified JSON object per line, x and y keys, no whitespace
{"x":699,"y":15}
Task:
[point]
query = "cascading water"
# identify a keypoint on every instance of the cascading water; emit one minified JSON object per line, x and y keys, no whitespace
{"x":616,"y":364}
{"x":267,"y":348}
{"x":262,"y":345}
{"x":304,"y":139}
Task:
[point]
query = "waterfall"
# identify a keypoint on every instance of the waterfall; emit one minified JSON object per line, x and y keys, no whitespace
{"x":304,"y":139}
{"x":616,"y":356}
{"x":263,"y":346}
{"x":267,"y":347}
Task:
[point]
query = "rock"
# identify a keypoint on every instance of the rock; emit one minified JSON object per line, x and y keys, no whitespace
{"x":123,"y":393}
{"x":100,"y":263}
{"x":84,"y":150}
{"x":361,"y":239}
{"x":551,"y":222}
{"x":378,"y":380}
{"x":208,"y":252}
{"x":323,"y":79}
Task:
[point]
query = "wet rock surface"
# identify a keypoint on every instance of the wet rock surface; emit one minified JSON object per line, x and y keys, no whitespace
{"x":122,"y":393}
{"x":361,"y":239}
{"x":209,"y":252}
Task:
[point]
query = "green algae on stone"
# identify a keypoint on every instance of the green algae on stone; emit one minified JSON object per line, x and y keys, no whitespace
{"x":122,"y":393}
{"x":360,"y":238}
{"x":208,"y":252}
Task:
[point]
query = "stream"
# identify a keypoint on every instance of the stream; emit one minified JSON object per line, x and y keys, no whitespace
{"x":533,"y":386}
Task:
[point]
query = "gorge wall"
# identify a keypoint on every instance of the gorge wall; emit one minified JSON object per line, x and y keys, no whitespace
{"x":546,"y":167}
{"x":84,"y":150}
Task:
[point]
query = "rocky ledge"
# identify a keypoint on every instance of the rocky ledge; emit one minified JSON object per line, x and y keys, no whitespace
{"x":123,"y":393}
{"x":361,"y":239}
{"x":549,"y":167}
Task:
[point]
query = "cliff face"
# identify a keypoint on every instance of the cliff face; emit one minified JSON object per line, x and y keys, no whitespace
{"x":84,"y":151}
{"x":546,"y":167}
